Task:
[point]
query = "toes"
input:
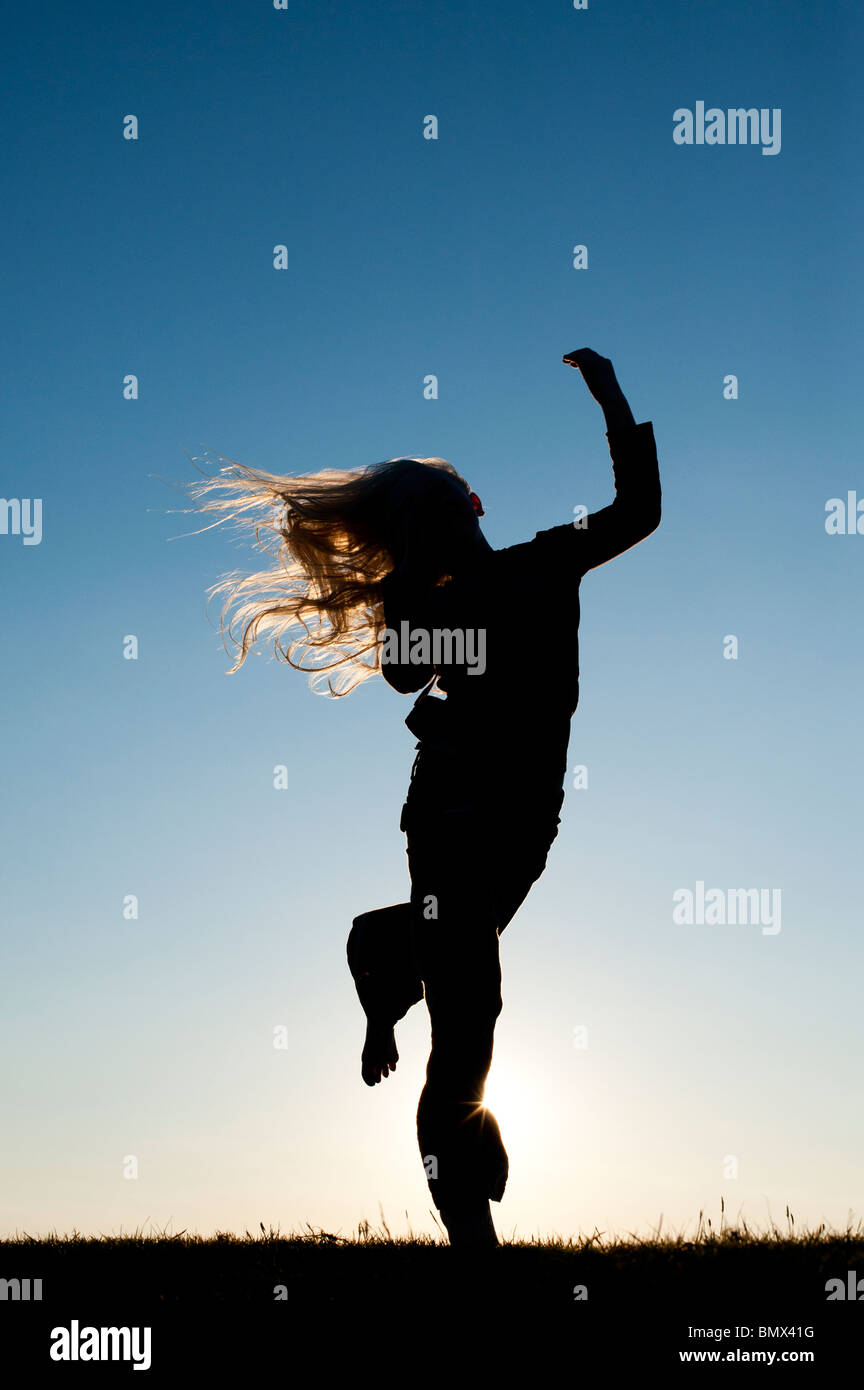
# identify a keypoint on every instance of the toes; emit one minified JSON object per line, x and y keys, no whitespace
{"x":375,"y":1071}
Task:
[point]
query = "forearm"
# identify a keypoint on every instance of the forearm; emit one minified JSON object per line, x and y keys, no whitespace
{"x":636,"y":471}
{"x":616,"y":411}
{"x":635,"y":512}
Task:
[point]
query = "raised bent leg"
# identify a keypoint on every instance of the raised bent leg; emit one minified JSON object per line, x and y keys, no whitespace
{"x":381,"y":961}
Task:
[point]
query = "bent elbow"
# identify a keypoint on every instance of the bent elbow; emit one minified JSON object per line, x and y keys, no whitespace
{"x":641,"y":524}
{"x":651,"y":517}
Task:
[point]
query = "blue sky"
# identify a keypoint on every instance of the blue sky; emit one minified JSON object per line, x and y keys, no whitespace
{"x":153,"y":1037}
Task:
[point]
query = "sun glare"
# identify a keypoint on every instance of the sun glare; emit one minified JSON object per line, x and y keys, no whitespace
{"x":512,"y":1103}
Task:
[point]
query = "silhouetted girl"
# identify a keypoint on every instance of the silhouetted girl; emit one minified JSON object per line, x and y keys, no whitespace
{"x":386,"y":570}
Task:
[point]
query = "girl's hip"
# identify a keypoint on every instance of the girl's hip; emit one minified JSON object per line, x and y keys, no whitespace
{"x":465,"y":795}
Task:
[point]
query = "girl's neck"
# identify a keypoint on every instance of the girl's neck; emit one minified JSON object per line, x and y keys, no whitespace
{"x":473,"y":557}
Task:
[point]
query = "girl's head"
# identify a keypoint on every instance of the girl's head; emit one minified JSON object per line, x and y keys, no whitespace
{"x":429,"y":516}
{"x":333,"y":536}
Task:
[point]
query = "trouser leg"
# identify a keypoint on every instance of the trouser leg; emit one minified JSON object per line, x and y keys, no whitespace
{"x":454,"y":923}
{"x":381,"y":960}
{"x":470,"y":872}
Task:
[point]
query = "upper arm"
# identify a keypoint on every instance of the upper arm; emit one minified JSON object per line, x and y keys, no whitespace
{"x":634,"y":514}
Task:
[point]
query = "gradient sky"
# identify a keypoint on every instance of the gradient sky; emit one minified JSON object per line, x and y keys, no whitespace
{"x":154,"y":1037}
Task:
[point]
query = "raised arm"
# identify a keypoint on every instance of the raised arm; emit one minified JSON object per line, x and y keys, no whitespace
{"x":635,"y":512}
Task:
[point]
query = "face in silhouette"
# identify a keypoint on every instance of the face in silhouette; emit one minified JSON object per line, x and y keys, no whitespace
{"x":435,"y":527}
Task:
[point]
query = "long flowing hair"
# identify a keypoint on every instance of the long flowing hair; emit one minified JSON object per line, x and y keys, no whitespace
{"x":330,"y":537}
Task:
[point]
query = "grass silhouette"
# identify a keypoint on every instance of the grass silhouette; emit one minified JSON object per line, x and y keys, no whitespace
{"x":243,"y":1266}
{"x":628,"y":1298}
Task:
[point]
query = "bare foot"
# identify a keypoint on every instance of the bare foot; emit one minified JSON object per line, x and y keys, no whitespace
{"x":379,"y":1052}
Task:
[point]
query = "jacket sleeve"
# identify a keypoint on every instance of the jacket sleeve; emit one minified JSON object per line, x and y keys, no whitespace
{"x":632,"y":516}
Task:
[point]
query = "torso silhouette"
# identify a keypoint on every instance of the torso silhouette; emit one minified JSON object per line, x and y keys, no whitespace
{"x":503,"y":730}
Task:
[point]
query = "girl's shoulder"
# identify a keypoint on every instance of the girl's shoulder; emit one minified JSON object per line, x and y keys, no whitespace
{"x":553,"y":542}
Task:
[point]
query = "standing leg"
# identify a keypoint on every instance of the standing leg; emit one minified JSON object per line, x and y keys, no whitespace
{"x":454,"y":922}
